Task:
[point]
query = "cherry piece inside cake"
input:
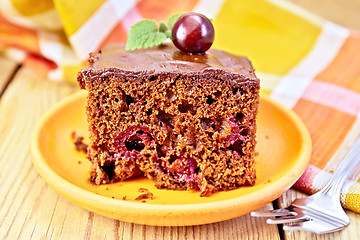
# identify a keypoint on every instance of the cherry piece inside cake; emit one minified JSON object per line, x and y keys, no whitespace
{"x":187,"y":121}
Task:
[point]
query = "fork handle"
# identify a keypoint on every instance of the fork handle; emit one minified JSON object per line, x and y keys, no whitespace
{"x":336,"y":182}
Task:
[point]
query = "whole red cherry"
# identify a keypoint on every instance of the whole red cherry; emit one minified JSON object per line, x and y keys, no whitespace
{"x":193,"y":33}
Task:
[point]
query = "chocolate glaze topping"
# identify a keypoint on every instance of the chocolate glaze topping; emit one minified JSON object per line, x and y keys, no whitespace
{"x":185,"y":121}
{"x":167,"y":58}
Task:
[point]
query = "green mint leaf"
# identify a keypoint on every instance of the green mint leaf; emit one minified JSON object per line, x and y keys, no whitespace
{"x":145,"y":34}
{"x":163,"y":28}
{"x":168,"y":34}
{"x":173,"y":19}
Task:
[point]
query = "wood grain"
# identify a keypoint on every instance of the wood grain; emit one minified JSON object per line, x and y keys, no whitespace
{"x":21,"y":193}
{"x":31,"y":209}
{"x":7,"y":69}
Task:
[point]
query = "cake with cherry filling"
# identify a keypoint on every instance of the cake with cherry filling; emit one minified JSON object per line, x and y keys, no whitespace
{"x":187,"y":121}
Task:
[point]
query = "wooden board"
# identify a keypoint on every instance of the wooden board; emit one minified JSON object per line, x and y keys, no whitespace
{"x":31,"y":209}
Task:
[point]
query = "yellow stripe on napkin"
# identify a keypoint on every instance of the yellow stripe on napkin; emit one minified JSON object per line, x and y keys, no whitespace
{"x":75,"y":13}
{"x":30,"y":8}
{"x":274,"y":38}
{"x":352,"y":201}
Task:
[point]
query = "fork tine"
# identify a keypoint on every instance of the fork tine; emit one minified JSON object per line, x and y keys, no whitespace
{"x":286,"y":220}
{"x":273,"y":213}
{"x":293,"y":227}
{"x":320,"y":212}
{"x":314,"y":226}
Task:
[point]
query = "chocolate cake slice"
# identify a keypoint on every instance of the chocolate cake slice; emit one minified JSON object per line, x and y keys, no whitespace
{"x":187,"y":121}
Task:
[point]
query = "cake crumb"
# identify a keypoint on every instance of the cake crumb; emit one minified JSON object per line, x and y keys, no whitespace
{"x":93,"y":57}
{"x":124,"y":197}
{"x":79,"y":162}
{"x":113,"y":197}
{"x":80,"y":146}
{"x":147,"y":195}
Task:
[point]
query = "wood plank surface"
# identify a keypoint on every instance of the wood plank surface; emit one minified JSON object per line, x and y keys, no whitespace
{"x":31,"y":209}
{"x":26,"y":98}
{"x":7,"y":69}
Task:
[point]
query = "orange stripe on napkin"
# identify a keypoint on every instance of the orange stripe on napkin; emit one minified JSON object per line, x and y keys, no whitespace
{"x":18,"y":37}
{"x":332,"y":95}
{"x":306,"y":180}
{"x":327,"y":126}
{"x":158,"y":10}
{"x":117,"y":35}
{"x":40,"y":64}
{"x":344,"y":70}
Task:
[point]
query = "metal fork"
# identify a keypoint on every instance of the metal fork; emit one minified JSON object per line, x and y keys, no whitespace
{"x":321,"y":212}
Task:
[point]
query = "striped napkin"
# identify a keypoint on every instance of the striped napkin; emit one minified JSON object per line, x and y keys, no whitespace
{"x":310,"y":65}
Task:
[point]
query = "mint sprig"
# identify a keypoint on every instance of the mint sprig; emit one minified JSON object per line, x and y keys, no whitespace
{"x":146,"y":33}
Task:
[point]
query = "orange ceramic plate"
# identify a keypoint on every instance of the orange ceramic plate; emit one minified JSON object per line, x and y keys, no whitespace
{"x":284,"y":148}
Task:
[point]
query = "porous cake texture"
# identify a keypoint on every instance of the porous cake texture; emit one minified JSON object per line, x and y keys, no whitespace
{"x":187,"y":121}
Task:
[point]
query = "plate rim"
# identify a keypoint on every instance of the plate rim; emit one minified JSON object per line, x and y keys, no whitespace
{"x":77,"y":194}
